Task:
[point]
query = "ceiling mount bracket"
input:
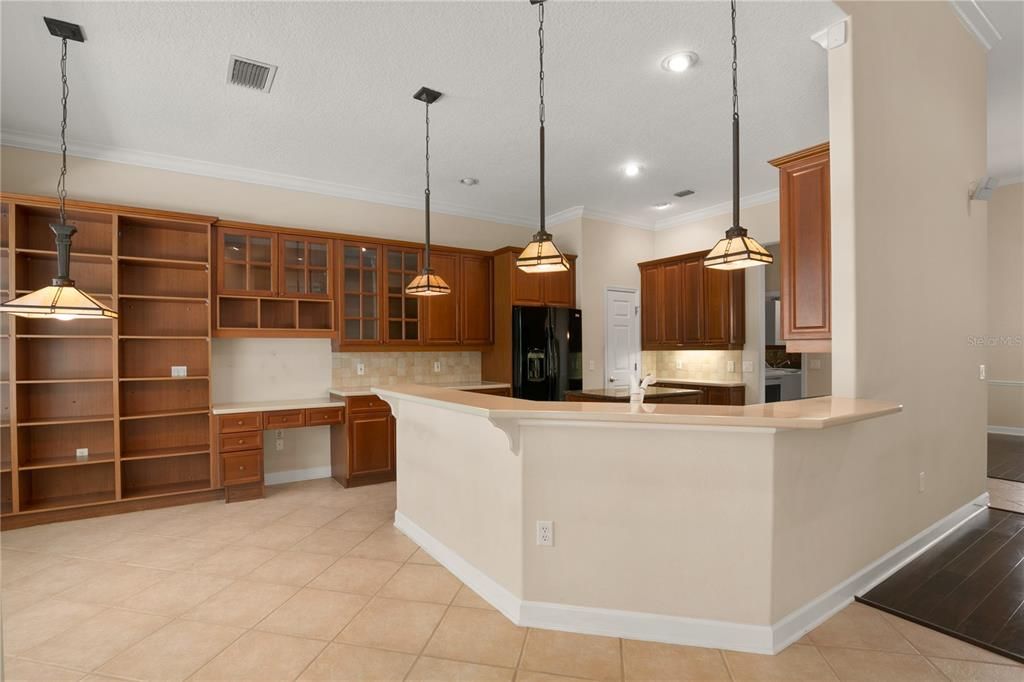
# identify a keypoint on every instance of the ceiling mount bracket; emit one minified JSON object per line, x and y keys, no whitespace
{"x":64,"y":29}
{"x":426,"y":95}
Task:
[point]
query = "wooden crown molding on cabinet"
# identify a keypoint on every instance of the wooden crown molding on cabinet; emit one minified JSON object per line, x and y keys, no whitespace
{"x":95,"y":207}
{"x":800,"y":155}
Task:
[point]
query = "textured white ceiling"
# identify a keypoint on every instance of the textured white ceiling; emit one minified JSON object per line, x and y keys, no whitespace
{"x":151,"y":79}
{"x":1006,"y":90}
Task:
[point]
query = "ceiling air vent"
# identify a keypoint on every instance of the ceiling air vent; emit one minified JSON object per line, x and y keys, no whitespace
{"x":250,"y":73}
{"x":683,"y":193}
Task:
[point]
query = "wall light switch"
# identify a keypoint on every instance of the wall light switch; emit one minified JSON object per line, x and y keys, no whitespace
{"x":81,"y":453}
{"x":437,"y":366}
{"x":814,"y":363}
{"x":679,"y":364}
{"x":748,"y":365}
{"x":730,"y":366}
{"x":179,"y":370}
{"x":590,"y":365}
{"x":981,"y":372}
{"x":360,"y":368}
{"x":279,"y":444}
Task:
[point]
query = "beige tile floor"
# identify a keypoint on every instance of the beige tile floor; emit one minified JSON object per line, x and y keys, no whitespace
{"x":313,"y":583}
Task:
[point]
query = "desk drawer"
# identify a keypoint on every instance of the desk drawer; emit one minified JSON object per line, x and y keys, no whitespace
{"x":250,"y":440}
{"x":245,"y":421}
{"x":242,"y":467}
{"x":325,"y":415}
{"x":283,"y":419}
{"x":363,"y":403}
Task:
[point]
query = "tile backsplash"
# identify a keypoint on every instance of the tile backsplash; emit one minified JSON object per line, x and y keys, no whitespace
{"x":698,"y":365}
{"x":386,"y":369}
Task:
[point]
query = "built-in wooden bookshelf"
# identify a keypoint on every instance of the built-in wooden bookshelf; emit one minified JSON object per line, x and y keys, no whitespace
{"x":105,"y":386}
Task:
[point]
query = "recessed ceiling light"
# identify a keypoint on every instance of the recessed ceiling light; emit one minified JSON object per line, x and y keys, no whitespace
{"x":469,"y":182}
{"x":631,"y":169}
{"x":663,"y":205}
{"x":679,"y":62}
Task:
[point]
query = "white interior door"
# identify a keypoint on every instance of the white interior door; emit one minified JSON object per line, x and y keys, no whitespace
{"x":621,"y":336}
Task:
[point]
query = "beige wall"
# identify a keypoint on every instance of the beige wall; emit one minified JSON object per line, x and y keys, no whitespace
{"x":609,"y":256}
{"x":31,"y":172}
{"x":907,"y":109}
{"x":1005,"y":352}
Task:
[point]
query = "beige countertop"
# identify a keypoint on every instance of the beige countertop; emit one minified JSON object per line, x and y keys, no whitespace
{"x":812,"y":413}
{"x":274,"y":405}
{"x":459,"y":386}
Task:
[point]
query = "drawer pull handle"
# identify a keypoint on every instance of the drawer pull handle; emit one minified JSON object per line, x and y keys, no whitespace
{"x":241,"y":440}
{"x":240,"y":422}
{"x":241,"y":468}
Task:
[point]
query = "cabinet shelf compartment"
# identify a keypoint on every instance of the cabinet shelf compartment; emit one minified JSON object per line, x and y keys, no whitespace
{"x":151,"y":358}
{"x":95,"y":230}
{"x":5,"y":355}
{"x":145,"y":278}
{"x":166,"y":476}
{"x":44,"y":446}
{"x":6,"y":493}
{"x":165,"y":436}
{"x":164,"y":239}
{"x":43,"y":326}
{"x":64,"y":403}
{"x":5,"y":448}
{"x":35,"y":271}
{"x":144,"y":398}
{"x":164,"y":318}
{"x":315,"y":315}
{"x":66,"y":487}
{"x":55,"y":359}
{"x":238,"y":313}
{"x":277,"y":314}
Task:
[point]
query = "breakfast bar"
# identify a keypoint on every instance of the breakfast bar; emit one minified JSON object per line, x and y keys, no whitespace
{"x":709,"y":525}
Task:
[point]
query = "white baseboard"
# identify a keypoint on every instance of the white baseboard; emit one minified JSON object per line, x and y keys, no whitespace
{"x":655,"y":627}
{"x":1007,"y":430}
{"x":294,"y":475}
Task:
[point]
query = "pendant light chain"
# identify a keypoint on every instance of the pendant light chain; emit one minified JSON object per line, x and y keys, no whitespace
{"x":735,"y":87}
{"x":541,"y":112}
{"x":735,"y":129}
{"x":540,"y":36}
{"x":426,"y":195}
{"x":62,"y":191}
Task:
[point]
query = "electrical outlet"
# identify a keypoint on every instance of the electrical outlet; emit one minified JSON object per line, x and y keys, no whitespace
{"x":545,"y":533}
{"x":981,"y":372}
{"x":81,"y":453}
{"x":814,"y":363}
{"x":730,"y":366}
{"x":279,"y":434}
{"x":920,"y":482}
{"x":279,"y":444}
{"x":679,"y":364}
{"x":748,"y":365}
{"x":360,"y":369}
{"x":590,"y":365}
{"x":179,"y":370}
{"x":437,"y":366}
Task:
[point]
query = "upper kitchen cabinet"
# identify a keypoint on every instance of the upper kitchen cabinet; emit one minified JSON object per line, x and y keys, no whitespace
{"x":555,"y":289}
{"x":476,"y":299}
{"x":402,"y":310}
{"x":359,"y":296}
{"x":685,"y":306}
{"x":805,"y":250}
{"x":272,"y":282}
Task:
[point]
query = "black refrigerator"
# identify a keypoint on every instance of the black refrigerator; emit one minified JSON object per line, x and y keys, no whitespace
{"x":547,"y":352}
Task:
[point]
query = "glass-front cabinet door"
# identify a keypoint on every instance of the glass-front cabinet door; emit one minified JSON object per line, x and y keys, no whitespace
{"x":246,"y":262}
{"x":304,"y":267}
{"x":360,"y":293}
{"x":403,"y":310}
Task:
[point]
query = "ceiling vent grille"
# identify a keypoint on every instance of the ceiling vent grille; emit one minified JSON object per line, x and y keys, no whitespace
{"x":683,"y":193}
{"x":250,"y":73}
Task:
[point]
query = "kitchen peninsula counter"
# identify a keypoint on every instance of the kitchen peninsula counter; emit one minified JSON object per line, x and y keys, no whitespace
{"x":706,"y":525}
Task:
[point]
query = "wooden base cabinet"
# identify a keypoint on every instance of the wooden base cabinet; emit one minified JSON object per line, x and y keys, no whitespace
{"x":363,"y":449}
{"x":805,"y":250}
{"x":713,"y":395}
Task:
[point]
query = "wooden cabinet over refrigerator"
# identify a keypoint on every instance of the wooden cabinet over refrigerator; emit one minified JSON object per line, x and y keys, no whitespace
{"x":805,"y":261}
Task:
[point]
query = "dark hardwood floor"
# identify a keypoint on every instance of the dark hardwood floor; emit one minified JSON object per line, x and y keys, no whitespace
{"x":969,"y":585}
{"x":1006,"y":457}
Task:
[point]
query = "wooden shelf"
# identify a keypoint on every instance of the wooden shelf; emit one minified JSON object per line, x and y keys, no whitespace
{"x":163,"y":338}
{"x":203,"y":377}
{"x":53,"y":421}
{"x":76,"y":254}
{"x":144,"y":297}
{"x":63,"y":336}
{"x":67,"y":501}
{"x":64,"y":381}
{"x":165,"y":413}
{"x":160,"y":453}
{"x":69,"y":461}
{"x":176,"y":262}
{"x":163,"y":489}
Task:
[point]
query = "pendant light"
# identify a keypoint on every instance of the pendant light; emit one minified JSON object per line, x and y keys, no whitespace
{"x":737,"y":250}
{"x":427,"y":283}
{"x":541,"y":254}
{"x":62,"y":299}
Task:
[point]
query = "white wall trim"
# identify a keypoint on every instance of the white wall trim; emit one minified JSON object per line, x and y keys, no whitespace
{"x":1003,"y":182}
{"x":1006,"y":430}
{"x":277,"y":477}
{"x":617,"y":218}
{"x":811,"y":615}
{"x":1006,"y":382}
{"x":977,"y":22}
{"x":748,"y":201}
{"x":762,"y":639}
{"x":571,"y":213}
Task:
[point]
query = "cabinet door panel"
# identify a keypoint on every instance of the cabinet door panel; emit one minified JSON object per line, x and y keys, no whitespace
{"x":806,"y":249}
{"x":672,"y":304}
{"x":693,"y":301}
{"x":304,"y":270}
{"x":476,"y":291}
{"x":359,"y":297}
{"x":401,"y":310}
{"x":650,"y":307}
{"x":717,"y":304}
{"x":246,"y":262}
{"x":526,"y":287}
{"x":371,"y":443}
{"x":560,"y":288}
{"x":441,"y":323}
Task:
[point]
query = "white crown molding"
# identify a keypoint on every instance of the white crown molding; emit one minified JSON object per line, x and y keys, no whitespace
{"x":748,"y":201}
{"x":296,"y":183}
{"x":617,"y":218}
{"x":571,"y":213}
{"x":1003,"y":182}
{"x":977,"y":22}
